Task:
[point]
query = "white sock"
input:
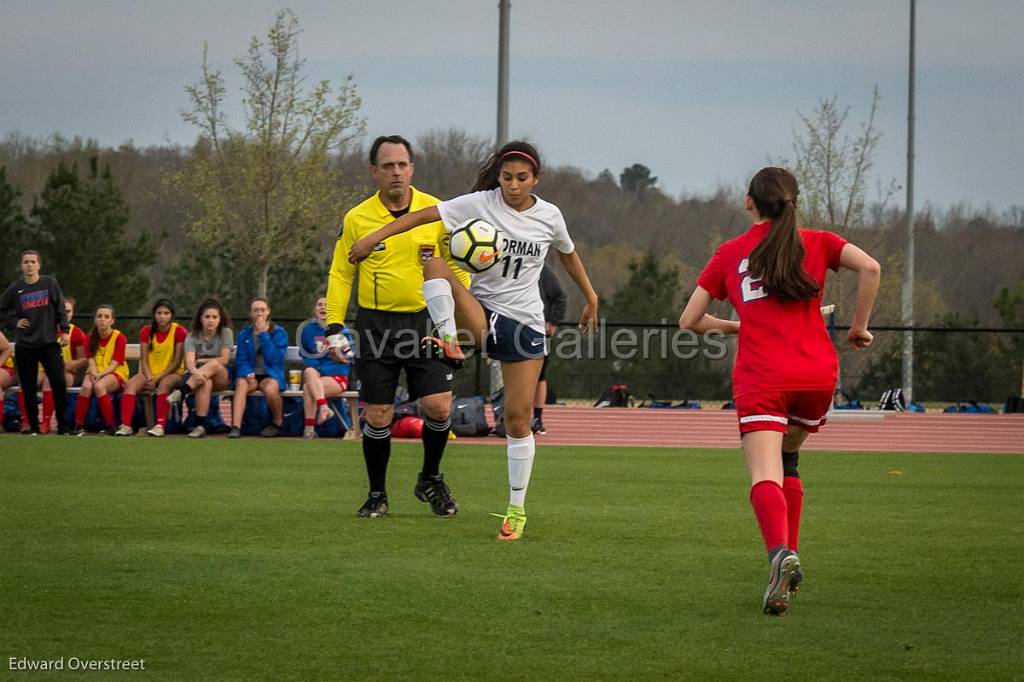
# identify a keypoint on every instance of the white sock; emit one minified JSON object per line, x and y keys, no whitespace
{"x":520,"y":464}
{"x":441,"y":306}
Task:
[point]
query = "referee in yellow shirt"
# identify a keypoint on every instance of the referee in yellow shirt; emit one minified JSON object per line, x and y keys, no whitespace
{"x":391,"y":321}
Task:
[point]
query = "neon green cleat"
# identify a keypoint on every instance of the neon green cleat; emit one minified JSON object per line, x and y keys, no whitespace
{"x":512,"y":523}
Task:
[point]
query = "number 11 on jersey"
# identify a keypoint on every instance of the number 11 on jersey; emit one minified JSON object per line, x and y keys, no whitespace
{"x":507,"y":264}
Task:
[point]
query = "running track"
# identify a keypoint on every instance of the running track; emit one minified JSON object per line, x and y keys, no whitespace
{"x":856,"y":431}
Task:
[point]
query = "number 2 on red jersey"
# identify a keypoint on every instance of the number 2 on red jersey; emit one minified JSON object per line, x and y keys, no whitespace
{"x":751,"y":288}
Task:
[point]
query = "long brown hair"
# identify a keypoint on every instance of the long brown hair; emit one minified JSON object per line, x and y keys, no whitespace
{"x":516,"y":150}
{"x":778,"y":261}
{"x":197,"y":321}
{"x":94,"y":333}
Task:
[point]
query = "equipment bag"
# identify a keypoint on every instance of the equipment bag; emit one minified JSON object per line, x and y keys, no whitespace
{"x":617,"y":395}
{"x":469,"y":416}
{"x":893,"y":400}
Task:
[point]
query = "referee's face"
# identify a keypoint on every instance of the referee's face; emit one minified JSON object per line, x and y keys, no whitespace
{"x":393,"y":173}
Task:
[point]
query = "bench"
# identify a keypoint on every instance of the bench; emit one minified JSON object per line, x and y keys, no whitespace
{"x":133,"y":353}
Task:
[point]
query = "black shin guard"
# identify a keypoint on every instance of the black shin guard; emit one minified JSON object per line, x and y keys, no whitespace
{"x":789,"y":460}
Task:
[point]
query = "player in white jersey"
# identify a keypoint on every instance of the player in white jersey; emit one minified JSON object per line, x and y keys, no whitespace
{"x":502,"y":310}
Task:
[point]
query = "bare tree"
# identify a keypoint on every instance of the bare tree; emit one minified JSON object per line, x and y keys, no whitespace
{"x":267,"y":192}
{"x":833,"y":168}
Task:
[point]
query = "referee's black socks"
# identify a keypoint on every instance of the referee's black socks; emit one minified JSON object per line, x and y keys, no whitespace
{"x":435,"y":439}
{"x":376,"y":452}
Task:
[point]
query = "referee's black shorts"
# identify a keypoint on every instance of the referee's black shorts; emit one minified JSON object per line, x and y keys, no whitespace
{"x":386,"y":343}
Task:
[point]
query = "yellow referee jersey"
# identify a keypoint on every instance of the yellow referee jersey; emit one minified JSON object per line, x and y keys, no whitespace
{"x":391,"y":279}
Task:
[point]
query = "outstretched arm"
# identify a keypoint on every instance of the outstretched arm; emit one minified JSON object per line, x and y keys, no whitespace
{"x":869,"y":274}
{"x":695,"y":315}
{"x":361,"y":250}
{"x":574,"y":267}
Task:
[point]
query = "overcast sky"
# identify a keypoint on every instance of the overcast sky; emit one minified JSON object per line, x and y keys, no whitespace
{"x":700,"y":92}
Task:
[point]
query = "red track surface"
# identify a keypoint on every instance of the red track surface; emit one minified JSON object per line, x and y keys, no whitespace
{"x":846,"y":431}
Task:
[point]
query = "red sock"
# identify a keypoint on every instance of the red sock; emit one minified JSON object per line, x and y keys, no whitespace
{"x":769,"y":503}
{"x":321,"y":402}
{"x":47,"y":407}
{"x":793,"y":488}
{"x":81,"y":409}
{"x":309,"y":422}
{"x":106,"y":409}
{"x":21,"y":409}
{"x":163,"y":408}
{"x":127,"y":408}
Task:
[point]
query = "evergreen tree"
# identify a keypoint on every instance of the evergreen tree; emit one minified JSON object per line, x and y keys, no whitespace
{"x":80,"y":229}
{"x":12,"y":229}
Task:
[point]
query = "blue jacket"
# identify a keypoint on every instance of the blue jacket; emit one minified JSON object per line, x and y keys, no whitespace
{"x":273,"y":348}
{"x":321,"y":361}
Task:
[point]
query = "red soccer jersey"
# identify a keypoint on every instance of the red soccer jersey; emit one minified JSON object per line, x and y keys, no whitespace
{"x":783,"y":345}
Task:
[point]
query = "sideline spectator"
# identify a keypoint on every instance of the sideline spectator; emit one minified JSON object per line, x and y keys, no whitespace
{"x":207,"y":358}
{"x":324,"y":377}
{"x":259,"y":365}
{"x":161,"y":363}
{"x":8,"y":376}
{"x":107,"y":371}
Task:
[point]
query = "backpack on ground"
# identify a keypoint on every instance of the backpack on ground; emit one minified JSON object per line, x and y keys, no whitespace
{"x":969,"y":407}
{"x":1014,"y":403}
{"x":893,"y":400}
{"x":617,"y":395}
{"x":469,"y":416}
{"x":498,"y":409}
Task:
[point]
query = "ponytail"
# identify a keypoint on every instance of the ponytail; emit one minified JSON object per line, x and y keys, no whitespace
{"x":517,"y":150}
{"x":778,"y":260}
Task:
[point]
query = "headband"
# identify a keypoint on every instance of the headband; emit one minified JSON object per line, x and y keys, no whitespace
{"x":516,"y":152}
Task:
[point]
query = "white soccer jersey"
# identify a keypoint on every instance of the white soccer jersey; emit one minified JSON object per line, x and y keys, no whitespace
{"x":510,"y":287}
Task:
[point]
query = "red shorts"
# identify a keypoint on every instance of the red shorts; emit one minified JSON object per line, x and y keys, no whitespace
{"x":342,"y":381}
{"x":777,"y":410}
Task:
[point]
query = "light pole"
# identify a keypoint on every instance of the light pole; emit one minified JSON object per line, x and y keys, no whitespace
{"x":504,"y":7}
{"x":908,"y":262}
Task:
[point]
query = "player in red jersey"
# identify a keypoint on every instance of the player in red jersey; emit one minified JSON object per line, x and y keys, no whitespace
{"x":161,"y":364}
{"x":8,"y":375}
{"x":107,"y":372}
{"x":786,"y":365}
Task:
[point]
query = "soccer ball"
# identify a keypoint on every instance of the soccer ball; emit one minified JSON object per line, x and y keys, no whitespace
{"x":474,"y":245}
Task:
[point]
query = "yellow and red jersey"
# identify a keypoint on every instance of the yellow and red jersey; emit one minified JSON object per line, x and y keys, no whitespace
{"x":161,"y":352}
{"x":109,"y":350}
{"x":78,"y":340}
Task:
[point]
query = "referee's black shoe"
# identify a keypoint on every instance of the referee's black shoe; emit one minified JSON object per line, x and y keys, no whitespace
{"x":375,"y":507}
{"x":447,"y":352}
{"x":434,"y":490}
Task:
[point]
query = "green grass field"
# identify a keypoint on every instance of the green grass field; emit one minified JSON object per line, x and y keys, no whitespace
{"x":245,"y":560}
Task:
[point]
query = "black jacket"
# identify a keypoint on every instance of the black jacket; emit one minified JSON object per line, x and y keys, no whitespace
{"x":42,"y":304}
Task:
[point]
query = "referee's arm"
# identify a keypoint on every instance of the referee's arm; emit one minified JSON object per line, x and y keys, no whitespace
{"x":339,"y":281}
